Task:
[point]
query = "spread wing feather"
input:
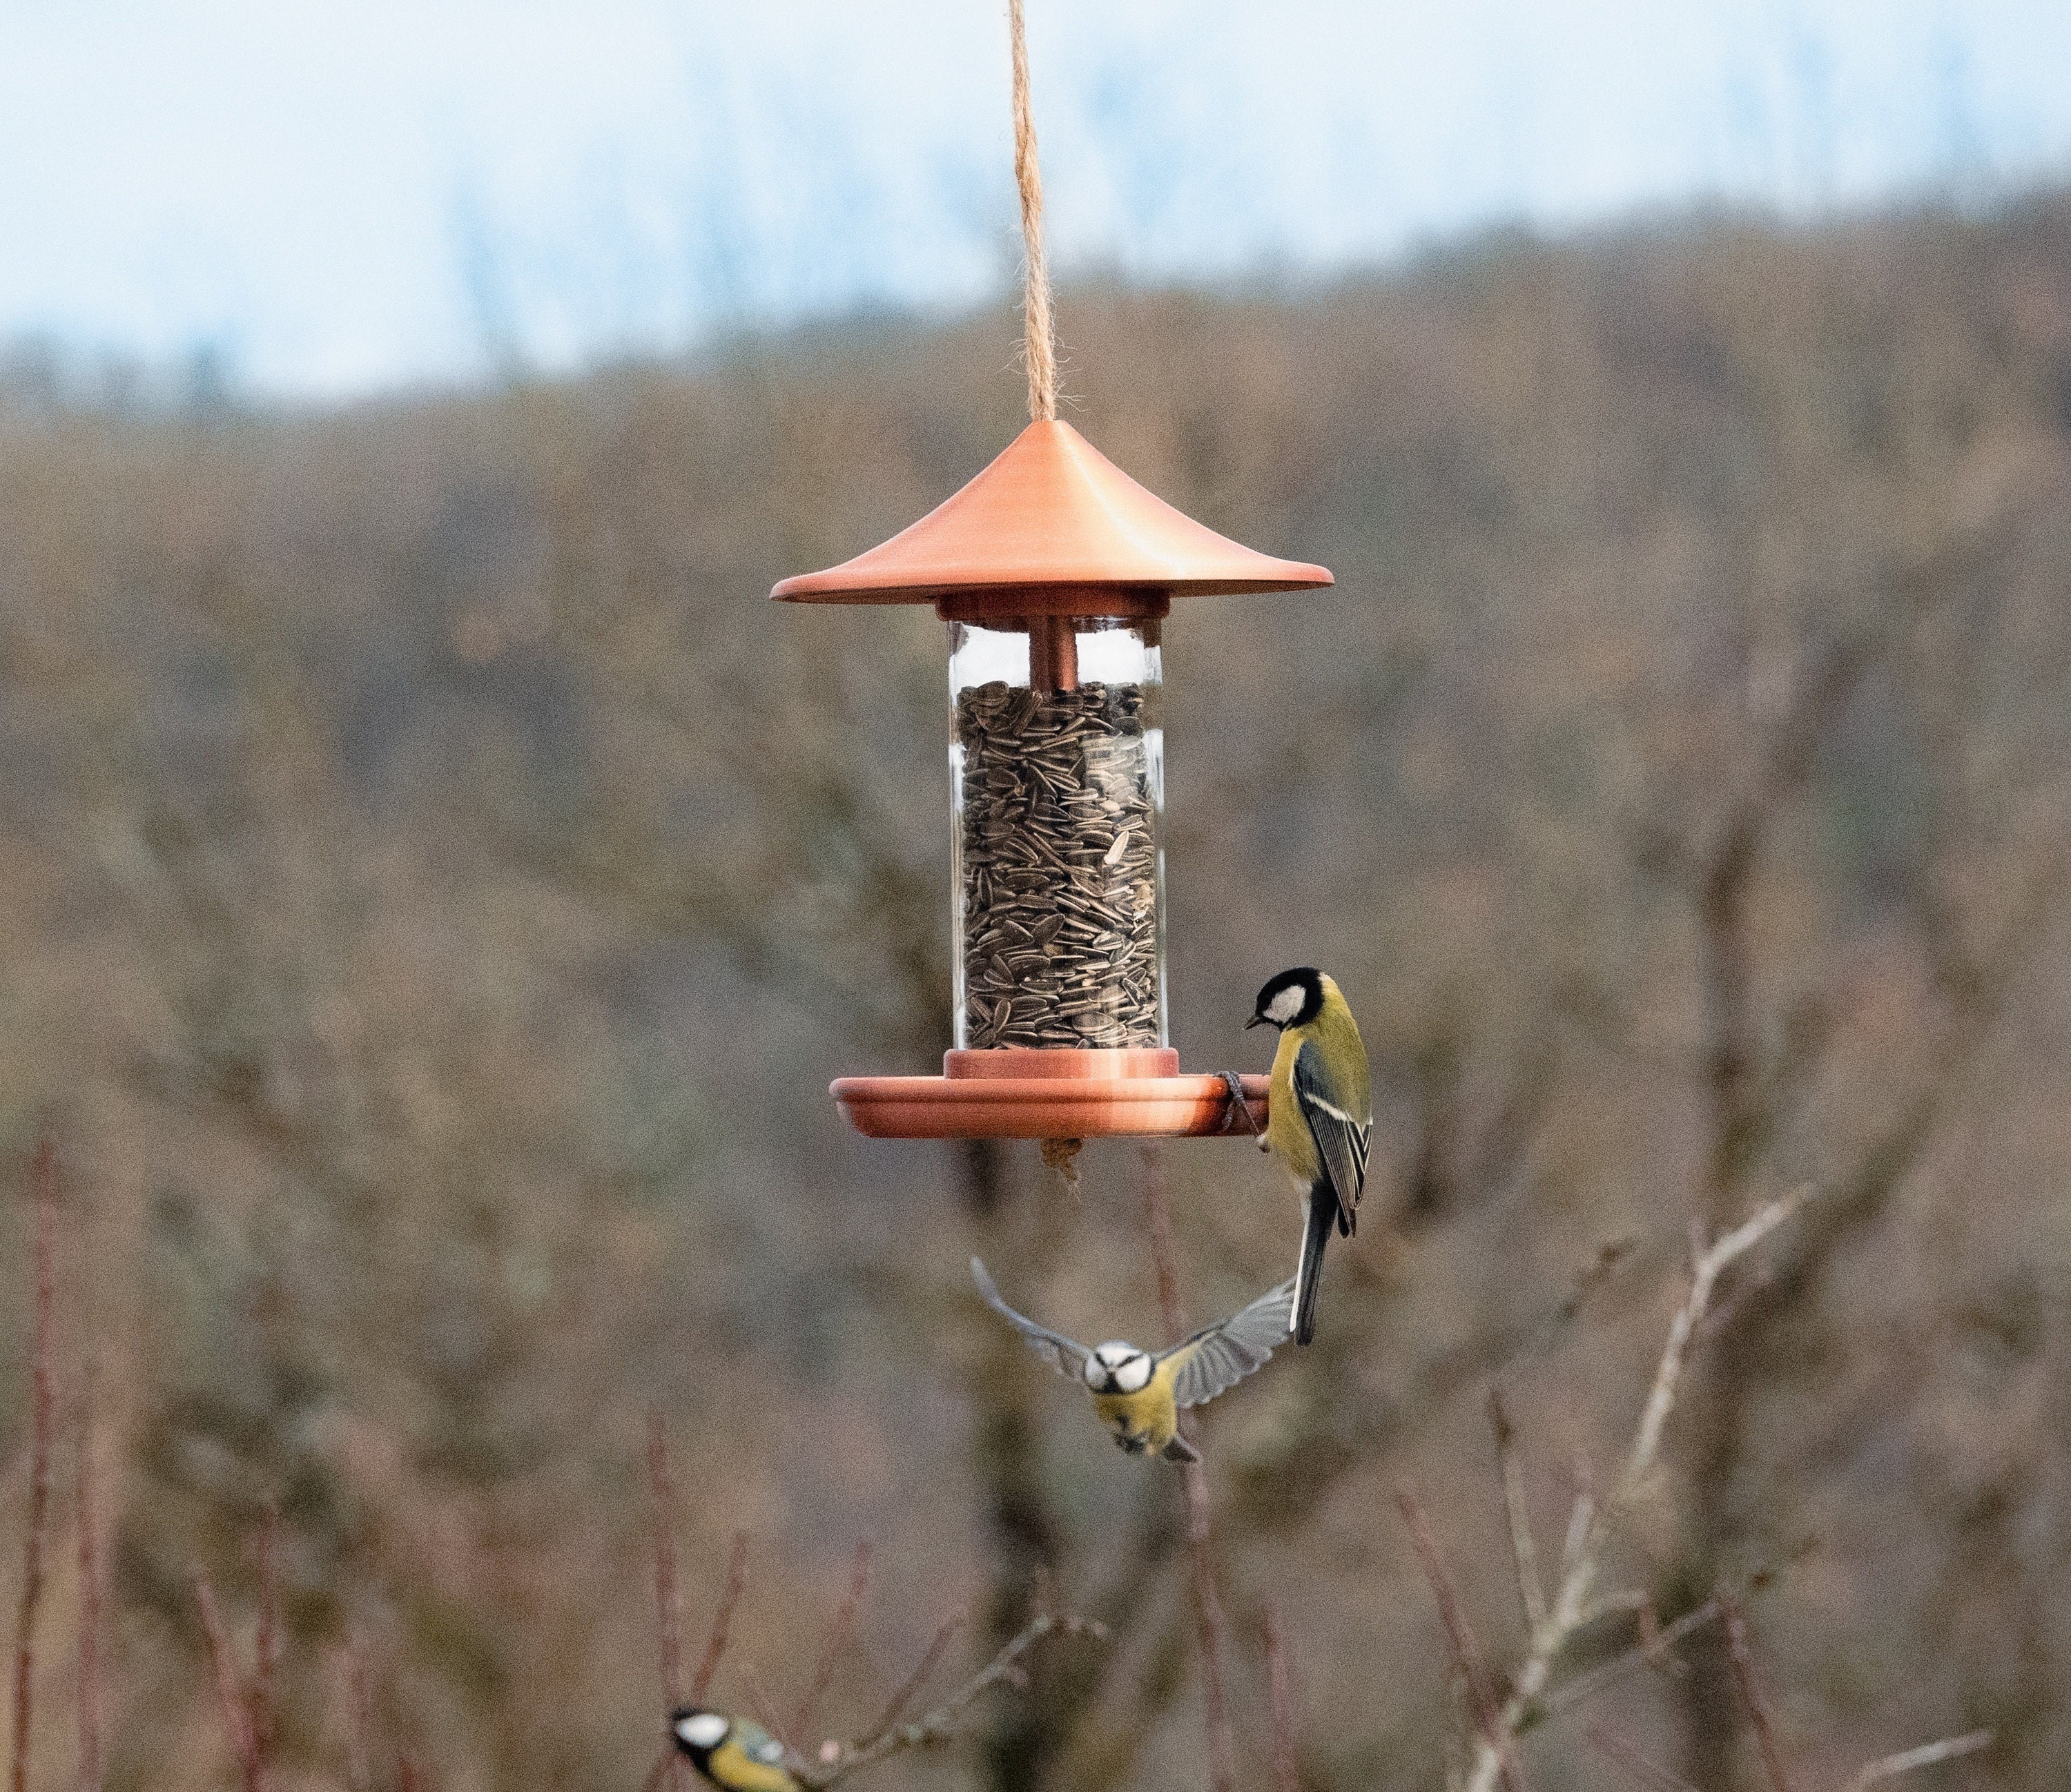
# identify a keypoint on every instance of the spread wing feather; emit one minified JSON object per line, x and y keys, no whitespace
{"x":1221,"y":1355}
{"x":1341,"y":1136}
{"x":1067,"y":1358}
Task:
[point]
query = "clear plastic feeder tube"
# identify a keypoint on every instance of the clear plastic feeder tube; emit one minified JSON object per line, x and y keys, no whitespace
{"x":1057,"y":776}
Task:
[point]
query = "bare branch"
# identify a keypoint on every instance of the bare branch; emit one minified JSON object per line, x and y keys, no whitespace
{"x":736,"y":1577}
{"x":668,"y":1595}
{"x":268,"y":1647}
{"x":765,"y":1712}
{"x":1750,"y":1690}
{"x":1656,"y":1648}
{"x":1466,"y":1651}
{"x":940,"y":1723}
{"x":88,"y":1524}
{"x":1287,"y":1774}
{"x":1524,"y":1550}
{"x":1926,"y":1755}
{"x":359,"y":1718}
{"x":912,"y":1685}
{"x":236,"y":1714}
{"x":43,"y":1192}
{"x":1572,"y":1602}
{"x":1636,"y":1763}
{"x":837,"y":1635}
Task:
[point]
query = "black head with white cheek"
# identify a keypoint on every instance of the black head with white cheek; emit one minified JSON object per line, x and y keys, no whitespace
{"x":1294,"y":999}
{"x":1117,"y":1369}
{"x":698,"y":1732}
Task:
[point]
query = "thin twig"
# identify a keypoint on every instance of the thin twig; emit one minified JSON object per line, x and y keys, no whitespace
{"x":737,"y":1578}
{"x":1572,"y":1603}
{"x":1926,"y":1755}
{"x":264,"y":1715}
{"x":88,"y":1526}
{"x":1200,"y":1539}
{"x":1286,"y":1772}
{"x":1466,"y":1651}
{"x":895,"y":1708}
{"x":409,"y":1772}
{"x":359,"y":1718}
{"x":837,"y":1635}
{"x":1628,"y":1757}
{"x":765,"y":1712}
{"x":42,"y":1183}
{"x":668,"y":1597}
{"x":1586,"y":1687}
{"x":1004,"y":1668}
{"x":237,"y":1727}
{"x":1524,"y":1550}
{"x":1742,"y":1658}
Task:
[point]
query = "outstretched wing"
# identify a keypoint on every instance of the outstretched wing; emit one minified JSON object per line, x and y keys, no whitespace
{"x":1342,"y":1135}
{"x":1222,"y":1355}
{"x":1060,"y":1352}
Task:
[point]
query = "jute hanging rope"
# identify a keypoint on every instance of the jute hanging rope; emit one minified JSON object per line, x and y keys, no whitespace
{"x":1041,"y":348}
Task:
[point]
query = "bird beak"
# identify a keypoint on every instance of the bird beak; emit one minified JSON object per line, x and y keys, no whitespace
{"x":1256,"y":1020}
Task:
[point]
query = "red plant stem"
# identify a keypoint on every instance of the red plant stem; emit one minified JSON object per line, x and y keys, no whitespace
{"x":737,"y":1578}
{"x":668,"y":1597}
{"x":88,"y":1690}
{"x":1466,"y":1651}
{"x":44,"y":1190}
{"x":237,"y":1727}
{"x":837,"y":1635}
{"x":1750,"y":1690}
{"x":1286,"y":1773}
{"x":359,"y":1718}
{"x":1200,"y":1542}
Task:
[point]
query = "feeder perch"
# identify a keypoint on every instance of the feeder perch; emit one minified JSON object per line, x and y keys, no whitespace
{"x":1055,"y":572}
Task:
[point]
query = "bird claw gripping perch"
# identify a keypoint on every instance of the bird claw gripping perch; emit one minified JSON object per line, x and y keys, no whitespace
{"x":1237,"y":1116}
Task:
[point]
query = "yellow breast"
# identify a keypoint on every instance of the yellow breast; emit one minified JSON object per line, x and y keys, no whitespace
{"x":1145,"y":1421}
{"x":730,"y":1766}
{"x":1286,"y":1130}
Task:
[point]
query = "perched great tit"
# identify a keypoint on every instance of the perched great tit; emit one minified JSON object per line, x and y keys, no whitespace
{"x":1138,"y":1394}
{"x":731,"y":1753}
{"x":1320,"y":1119}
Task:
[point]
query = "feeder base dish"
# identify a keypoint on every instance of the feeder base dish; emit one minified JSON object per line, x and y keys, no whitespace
{"x":1030,"y":1093}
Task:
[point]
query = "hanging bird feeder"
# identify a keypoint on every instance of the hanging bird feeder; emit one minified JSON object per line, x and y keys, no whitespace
{"x":1055,"y":572}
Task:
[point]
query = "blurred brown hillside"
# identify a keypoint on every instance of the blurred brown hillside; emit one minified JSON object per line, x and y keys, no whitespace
{"x":437,"y":887}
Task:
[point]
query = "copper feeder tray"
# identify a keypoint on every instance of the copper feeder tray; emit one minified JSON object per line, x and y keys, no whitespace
{"x":1026,"y":1093}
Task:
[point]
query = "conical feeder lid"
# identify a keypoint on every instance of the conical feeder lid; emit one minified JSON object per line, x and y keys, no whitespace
{"x":1051,"y":512}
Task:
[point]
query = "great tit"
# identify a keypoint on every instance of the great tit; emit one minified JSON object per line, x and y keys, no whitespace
{"x":1139,"y":1395}
{"x":734,"y":1754}
{"x":1320,"y":1119}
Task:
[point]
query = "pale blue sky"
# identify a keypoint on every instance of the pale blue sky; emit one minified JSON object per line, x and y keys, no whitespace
{"x":341,"y":199}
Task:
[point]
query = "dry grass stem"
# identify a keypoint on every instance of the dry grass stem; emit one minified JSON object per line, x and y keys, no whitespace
{"x":236,"y":1715}
{"x":737,"y":1578}
{"x":1635,"y":1763}
{"x":1927,"y":1754}
{"x":1466,"y":1651}
{"x":1003,"y":1669}
{"x":1286,"y":1772}
{"x":1573,"y":1600}
{"x":837,"y":1639}
{"x":44,"y":1178}
{"x":87,"y":1524}
{"x":1654,"y":1649}
{"x":910,"y":1688}
{"x":1523,"y":1548}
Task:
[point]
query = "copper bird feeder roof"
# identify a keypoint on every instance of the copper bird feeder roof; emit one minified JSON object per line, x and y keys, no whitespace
{"x":1051,"y":527}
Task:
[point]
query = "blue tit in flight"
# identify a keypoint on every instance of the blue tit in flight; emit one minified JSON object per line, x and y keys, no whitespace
{"x":734,"y":1754}
{"x":1138,"y":1394}
{"x":1320,"y":1118}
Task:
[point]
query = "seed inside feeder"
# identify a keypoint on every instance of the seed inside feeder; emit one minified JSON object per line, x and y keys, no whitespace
{"x":1057,"y":841}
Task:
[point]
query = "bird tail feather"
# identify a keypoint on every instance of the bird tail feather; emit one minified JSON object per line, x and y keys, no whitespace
{"x":1321,"y":1215}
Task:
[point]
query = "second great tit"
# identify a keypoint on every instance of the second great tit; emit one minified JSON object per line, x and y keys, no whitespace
{"x":734,"y":1754}
{"x":1319,"y":1120}
{"x":1138,"y":1394}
